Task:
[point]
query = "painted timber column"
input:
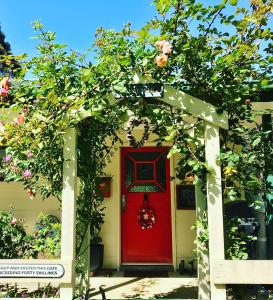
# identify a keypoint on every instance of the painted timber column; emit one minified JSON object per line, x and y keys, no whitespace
{"x":215,"y":205}
{"x":202,"y":251}
{"x":68,"y":241}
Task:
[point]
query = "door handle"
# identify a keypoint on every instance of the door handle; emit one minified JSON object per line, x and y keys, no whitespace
{"x":123,"y":202}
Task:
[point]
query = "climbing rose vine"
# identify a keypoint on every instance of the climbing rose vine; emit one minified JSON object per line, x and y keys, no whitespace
{"x":220,"y":53}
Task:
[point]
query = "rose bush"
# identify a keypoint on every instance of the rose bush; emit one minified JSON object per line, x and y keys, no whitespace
{"x":14,"y":242}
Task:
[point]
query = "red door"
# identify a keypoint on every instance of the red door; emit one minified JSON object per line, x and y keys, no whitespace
{"x":145,"y":184}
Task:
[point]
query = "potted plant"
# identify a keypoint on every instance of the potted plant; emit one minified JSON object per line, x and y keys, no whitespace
{"x":96,"y":246}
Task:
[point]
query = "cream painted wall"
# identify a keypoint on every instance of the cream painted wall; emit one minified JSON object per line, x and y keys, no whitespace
{"x":111,"y":227}
{"x":185,"y":236}
{"x":13,"y":194}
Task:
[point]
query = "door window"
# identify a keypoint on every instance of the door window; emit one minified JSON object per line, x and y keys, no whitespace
{"x":145,"y":171}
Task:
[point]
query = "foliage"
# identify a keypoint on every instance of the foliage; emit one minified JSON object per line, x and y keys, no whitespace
{"x":14,"y":242}
{"x":8,"y":64}
{"x":218,"y":53}
{"x":238,"y":243}
{"x":202,"y":225}
{"x":12,"y":291}
{"x":93,"y":154}
{"x":48,"y":236}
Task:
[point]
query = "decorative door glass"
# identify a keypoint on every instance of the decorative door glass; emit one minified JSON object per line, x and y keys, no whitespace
{"x":145,"y":171}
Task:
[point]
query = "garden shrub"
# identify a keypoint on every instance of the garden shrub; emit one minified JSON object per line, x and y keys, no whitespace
{"x":10,"y":290}
{"x":14,"y":242}
{"x":48,"y":236}
{"x":238,"y":243}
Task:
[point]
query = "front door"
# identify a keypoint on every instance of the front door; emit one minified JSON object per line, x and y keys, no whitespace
{"x":145,"y":204}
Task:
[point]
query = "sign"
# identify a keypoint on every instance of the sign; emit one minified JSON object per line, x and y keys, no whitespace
{"x":31,"y":270}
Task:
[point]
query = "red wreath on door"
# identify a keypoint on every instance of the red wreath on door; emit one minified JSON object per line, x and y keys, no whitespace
{"x":146,"y":215}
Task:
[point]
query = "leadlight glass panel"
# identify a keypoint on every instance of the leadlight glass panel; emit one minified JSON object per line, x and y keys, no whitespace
{"x":145,"y":171}
{"x":144,"y":156}
{"x":129,"y":171}
{"x":145,"y":187}
{"x":161,"y":172}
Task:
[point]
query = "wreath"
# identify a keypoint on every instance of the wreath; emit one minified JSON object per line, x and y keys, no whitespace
{"x":133,"y":122}
{"x":146,"y":217}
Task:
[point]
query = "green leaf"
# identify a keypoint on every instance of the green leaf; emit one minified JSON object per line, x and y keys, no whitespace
{"x":120,"y":87}
{"x":233,"y":2}
{"x":169,"y":138}
{"x":264,"y":82}
{"x":256,"y":141}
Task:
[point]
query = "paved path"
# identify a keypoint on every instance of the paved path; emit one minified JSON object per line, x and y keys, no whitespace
{"x":118,"y":287}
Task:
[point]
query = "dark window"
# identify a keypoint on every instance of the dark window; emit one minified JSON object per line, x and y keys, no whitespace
{"x":144,"y":156}
{"x":145,"y":171}
{"x":185,"y":196}
{"x":129,"y":171}
{"x":161,"y":172}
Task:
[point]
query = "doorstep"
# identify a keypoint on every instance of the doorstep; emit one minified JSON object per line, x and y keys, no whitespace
{"x":167,"y":268}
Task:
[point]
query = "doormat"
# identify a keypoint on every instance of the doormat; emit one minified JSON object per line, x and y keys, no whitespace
{"x":143,"y":274}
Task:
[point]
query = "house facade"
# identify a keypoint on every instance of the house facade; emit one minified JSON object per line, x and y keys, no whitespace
{"x":134,"y":174}
{"x":146,"y":221}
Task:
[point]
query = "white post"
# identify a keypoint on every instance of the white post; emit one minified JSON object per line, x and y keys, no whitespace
{"x":215,"y":205}
{"x":202,"y":251}
{"x":68,"y":242}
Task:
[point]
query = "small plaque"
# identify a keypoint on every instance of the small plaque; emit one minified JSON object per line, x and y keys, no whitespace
{"x":31,"y":270}
{"x":185,"y":196}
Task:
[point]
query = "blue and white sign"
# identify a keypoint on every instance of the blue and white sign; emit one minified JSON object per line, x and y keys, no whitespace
{"x":31,"y":270}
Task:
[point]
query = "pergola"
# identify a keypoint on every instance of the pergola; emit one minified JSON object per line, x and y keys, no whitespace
{"x":213,"y":121}
{"x":214,"y":272}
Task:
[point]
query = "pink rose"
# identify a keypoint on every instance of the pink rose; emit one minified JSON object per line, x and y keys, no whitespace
{"x":29,"y":154}
{"x":7,"y":158}
{"x":13,"y":221}
{"x":27,"y":174}
{"x":4,"y":92}
{"x":21,"y":119}
{"x":164,"y":46}
{"x":5,"y":83}
{"x":161,"y":60}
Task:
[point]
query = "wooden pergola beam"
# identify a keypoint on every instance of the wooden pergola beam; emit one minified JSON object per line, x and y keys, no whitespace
{"x":173,"y":97}
{"x":242,"y":271}
{"x":195,"y":107}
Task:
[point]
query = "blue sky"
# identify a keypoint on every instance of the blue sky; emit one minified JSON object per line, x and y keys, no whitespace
{"x":74,"y":21}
